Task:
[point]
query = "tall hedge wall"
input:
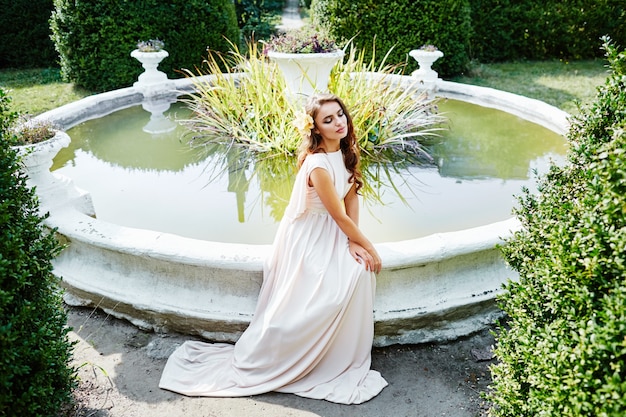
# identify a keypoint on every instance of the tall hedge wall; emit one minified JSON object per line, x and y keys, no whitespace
{"x":95,"y":37}
{"x":403,"y":25}
{"x":544,"y":29}
{"x":25,"y":34}
{"x":562,"y":351}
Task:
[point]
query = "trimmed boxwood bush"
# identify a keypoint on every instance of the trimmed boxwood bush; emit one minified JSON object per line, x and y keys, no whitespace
{"x":25,"y":36}
{"x":562,"y":351}
{"x":403,"y":25}
{"x":94,"y":38}
{"x":36,"y":379}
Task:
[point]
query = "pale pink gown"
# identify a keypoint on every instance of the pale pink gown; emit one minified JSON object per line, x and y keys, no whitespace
{"x":312,"y":330}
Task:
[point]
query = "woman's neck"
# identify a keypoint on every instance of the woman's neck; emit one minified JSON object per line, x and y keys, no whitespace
{"x":329,"y":147}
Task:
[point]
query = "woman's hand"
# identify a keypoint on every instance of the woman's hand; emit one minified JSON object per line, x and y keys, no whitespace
{"x":370,"y":257}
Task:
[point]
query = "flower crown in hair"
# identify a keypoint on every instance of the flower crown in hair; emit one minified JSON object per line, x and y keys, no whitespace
{"x":304,"y":123}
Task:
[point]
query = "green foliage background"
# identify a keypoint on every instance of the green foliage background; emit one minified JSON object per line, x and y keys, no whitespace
{"x":257,"y":19}
{"x":402,"y":25}
{"x":544,"y":29}
{"x":562,"y":351}
{"x":482,"y":30}
{"x":95,"y":37}
{"x":25,"y":34}
{"x":36,"y":379}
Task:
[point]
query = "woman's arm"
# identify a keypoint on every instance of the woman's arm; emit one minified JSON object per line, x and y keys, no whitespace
{"x":351,"y":202}
{"x":320,"y":179}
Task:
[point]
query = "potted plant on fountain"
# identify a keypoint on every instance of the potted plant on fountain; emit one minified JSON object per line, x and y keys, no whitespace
{"x":426,"y":56}
{"x":306,"y":58}
{"x":150,"y":53}
{"x":37,"y":142}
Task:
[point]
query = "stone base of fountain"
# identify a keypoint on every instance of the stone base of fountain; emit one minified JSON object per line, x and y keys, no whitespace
{"x":435,"y":288}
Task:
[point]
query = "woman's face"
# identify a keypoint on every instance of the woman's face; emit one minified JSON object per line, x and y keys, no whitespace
{"x":331,"y":122}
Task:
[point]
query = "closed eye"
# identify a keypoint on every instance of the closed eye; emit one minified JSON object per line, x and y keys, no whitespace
{"x":330,"y":118}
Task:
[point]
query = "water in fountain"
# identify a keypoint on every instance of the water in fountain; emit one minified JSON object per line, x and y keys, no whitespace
{"x":157,"y":182}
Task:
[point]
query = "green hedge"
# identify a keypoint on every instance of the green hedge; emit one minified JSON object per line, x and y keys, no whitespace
{"x":36,"y":379}
{"x":535,"y":29}
{"x":95,"y":37}
{"x":25,"y":36}
{"x":562,"y":351}
{"x":403,"y":25}
{"x":484,"y":30}
{"x":257,"y":19}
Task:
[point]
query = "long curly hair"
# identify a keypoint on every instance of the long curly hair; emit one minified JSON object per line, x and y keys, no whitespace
{"x":349,"y":145}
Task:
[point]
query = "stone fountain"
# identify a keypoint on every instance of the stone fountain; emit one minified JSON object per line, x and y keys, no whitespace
{"x":434,"y":288}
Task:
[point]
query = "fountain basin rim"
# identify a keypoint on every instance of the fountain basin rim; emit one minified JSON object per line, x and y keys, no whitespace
{"x":76,"y":226}
{"x":160,"y":245}
{"x":99,"y":105}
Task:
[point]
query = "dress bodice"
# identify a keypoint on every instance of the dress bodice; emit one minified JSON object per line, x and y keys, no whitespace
{"x":334,"y":164}
{"x":304,"y":197}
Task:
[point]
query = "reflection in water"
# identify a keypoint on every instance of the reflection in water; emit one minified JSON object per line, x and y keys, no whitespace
{"x":159,"y":123}
{"x":159,"y":182}
{"x":237,"y":181}
{"x":490,"y":144}
{"x":120,"y":140}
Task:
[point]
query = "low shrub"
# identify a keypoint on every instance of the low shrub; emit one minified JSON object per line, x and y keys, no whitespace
{"x":36,"y":378}
{"x":562,"y":350}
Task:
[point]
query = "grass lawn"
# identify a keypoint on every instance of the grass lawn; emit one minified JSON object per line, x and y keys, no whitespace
{"x":34,"y":91}
{"x":559,"y":83}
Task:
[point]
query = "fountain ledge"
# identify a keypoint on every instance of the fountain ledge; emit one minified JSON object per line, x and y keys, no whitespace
{"x":435,"y":288}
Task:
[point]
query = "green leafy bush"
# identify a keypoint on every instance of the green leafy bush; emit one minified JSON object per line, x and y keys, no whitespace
{"x":36,"y":379}
{"x":94,"y":38}
{"x":562,"y":350}
{"x":537,"y":29}
{"x":403,"y":25}
{"x":257,"y":19}
{"x":25,"y":36}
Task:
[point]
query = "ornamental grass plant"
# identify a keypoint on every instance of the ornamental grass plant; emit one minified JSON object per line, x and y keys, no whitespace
{"x":247,"y":108}
{"x":247,"y":105}
{"x":242,"y":105}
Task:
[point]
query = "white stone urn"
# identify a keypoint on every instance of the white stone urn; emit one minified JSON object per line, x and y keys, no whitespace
{"x":425,"y":59}
{"x":306,"y":73}
{"x":37,"y":158}
{"x":52,"y":190}
{"x":150,"y":62}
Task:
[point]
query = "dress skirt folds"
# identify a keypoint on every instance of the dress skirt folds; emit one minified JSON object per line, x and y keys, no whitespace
{"x":312,"y":331}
